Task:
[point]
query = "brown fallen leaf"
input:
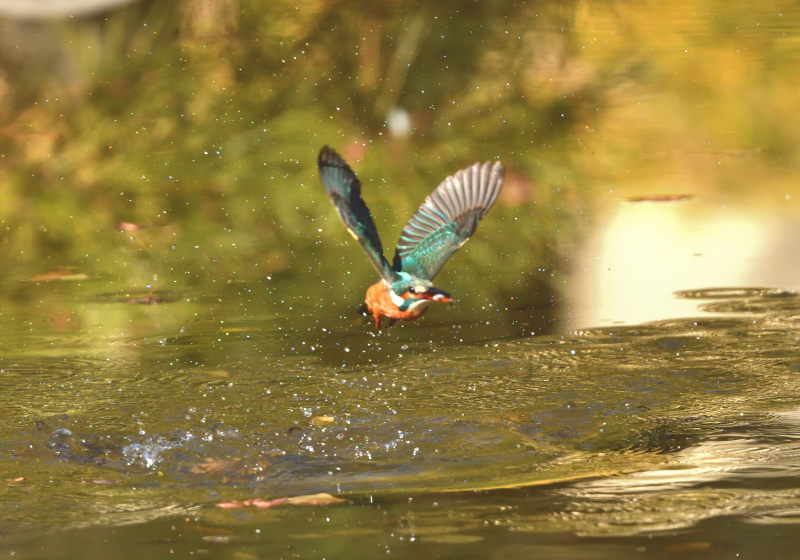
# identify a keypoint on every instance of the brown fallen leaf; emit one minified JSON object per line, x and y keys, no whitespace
{"x":255,"y":502}
{"x":63,"y":275}
{"x":322,"y":420}
{"x":128,"y":226}
{"x":692,"y":546}
{"x":321,"y":499}
{"x":661,"y":198}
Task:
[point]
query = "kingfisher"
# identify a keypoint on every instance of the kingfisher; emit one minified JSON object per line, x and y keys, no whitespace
{"x":443,"y":223}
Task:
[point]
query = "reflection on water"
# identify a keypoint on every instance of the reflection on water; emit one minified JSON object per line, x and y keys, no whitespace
{"x":748,"y":471}
{"x":646,"y":252}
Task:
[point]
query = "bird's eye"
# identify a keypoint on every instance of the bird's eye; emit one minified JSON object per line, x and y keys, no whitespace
{"x":412,"y":290}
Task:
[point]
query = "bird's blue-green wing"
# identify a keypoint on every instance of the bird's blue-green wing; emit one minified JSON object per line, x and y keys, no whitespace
{"x":447,"y":218}
{"x":344,"y":190}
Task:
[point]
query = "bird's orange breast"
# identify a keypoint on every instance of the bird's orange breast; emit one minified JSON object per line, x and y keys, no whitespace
{"x":379,"y":304}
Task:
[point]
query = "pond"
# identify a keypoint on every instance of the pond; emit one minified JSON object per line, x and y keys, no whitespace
{"x":183,"y":368}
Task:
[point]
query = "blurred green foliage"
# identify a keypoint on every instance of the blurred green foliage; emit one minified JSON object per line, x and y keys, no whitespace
{"x":200,"y":122}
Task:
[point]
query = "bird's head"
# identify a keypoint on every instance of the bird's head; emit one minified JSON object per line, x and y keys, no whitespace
{"x":409,"y":292}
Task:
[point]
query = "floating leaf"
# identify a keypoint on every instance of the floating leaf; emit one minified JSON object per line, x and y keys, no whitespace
{"x":322,"y":499}
{"x":64,"y":275}
{"x":128,"y":226}
{"x":661,"y":198}
{"x":255,"y":502}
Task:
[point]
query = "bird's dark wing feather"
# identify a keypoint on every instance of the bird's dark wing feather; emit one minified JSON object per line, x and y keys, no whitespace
{"x":447,"y":218}
{"x":344,"y":190}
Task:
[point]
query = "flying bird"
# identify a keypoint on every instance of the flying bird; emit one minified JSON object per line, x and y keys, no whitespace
{"x":443,"y":223}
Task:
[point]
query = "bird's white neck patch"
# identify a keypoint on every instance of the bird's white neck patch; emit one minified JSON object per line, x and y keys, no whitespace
{"x":418,"y":304}
{"x":397,"y":300}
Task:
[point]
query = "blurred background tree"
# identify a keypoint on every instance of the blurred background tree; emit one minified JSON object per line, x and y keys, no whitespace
{"x":180,"y":138}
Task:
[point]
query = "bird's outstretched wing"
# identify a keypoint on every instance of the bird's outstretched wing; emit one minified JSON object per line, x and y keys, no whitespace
{"x":344,"y":190}
{"x":447,"y":218}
